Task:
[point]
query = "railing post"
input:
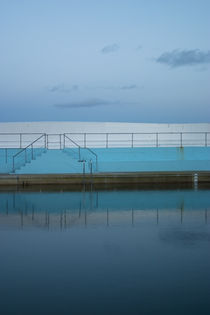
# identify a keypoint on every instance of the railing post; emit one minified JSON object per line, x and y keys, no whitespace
{"x":181,"y":139}
{"x":132,"y":140}
{"x":107,"y":140}
{"x":20,"y":140}
{"x":45,"y":141}
{"x":64,"y":140}
{"x":157,"y":140}
{"x":60,"y":140}
{"x":84,"y":140}
{"x":206,"y":139}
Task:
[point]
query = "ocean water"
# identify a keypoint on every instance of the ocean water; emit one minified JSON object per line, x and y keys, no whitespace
{"x":142,"y":251}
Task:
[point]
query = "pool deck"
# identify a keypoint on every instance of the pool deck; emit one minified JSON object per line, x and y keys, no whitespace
{"x":98,"y":179}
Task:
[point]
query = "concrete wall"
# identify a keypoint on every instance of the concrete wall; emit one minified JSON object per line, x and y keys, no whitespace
{"x":77,"y":130}
{"x":75,"y":127}
{"x":109,"y":160}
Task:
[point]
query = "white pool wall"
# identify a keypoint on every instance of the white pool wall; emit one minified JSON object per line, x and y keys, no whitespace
{"x":77,"y":130}
{"x":104,"y":127}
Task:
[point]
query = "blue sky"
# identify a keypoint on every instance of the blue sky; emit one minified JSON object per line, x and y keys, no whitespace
{"x":91,"y":60}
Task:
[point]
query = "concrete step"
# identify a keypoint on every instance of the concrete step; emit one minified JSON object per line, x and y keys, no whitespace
{"x":121,"y":160}
{"x":52,"y":162}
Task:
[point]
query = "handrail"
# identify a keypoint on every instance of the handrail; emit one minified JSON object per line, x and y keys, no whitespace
{"x":71,"y":141}
{"x":30,"y":145}
{"x":17,"y":137}
{"x":96,"y":156}
{"x":144,"y":133}
{"x":64,"y":144}
{"x":79,"y":147}
{"x":158,"y":140}
{"x":183,"y":138}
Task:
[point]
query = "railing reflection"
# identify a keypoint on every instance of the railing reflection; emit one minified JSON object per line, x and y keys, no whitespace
{"x":109,"y":209}
{"x":106,"y":217}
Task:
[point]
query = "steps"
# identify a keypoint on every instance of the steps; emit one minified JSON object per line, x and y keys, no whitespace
{"x":6,"y":159}
{"x":57,"y":161}
{"x":52,"y":162}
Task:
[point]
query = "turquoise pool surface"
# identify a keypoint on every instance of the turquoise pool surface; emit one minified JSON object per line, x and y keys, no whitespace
{"x":42,"y":161}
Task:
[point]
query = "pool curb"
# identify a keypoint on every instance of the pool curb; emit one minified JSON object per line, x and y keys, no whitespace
{"x":105,"y":178}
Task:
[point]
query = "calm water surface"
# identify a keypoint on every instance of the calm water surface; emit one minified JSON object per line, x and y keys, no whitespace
{"x":105,"y":252}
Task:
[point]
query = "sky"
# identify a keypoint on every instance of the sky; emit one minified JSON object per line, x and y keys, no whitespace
{"x":109,"y":60}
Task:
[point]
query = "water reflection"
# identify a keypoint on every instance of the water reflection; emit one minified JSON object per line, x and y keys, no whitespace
{"x":105,"y":252}
{"x":64,"y":210}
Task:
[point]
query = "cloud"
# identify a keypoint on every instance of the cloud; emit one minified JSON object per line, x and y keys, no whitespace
{"x":179,"y":58}
{"x":110,"y":49}
{"x":62,"y":88}
{"x":139,"y":48}
{"x":86,"y":103}
{"x":129,"y":87}
{"x":121,"y":87}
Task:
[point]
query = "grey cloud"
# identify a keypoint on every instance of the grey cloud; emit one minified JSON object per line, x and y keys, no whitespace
{"x":139,"y":47}
{"x":86,"y":103}
{"x":179,"y":58}
{"x":62,"y":88}
{"x":129,"y":87}
{"x":54,"y":88}
{"x":122,"y":87}
{"x":110,"y":49}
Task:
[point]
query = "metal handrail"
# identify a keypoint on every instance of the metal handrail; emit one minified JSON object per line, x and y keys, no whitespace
{"x":79,"y":147}
{"x":19,"y":138}
{"x":32,"y":153}
{"x":157,"y":141}
{"x":96,"y":156}
{"x":65,"y":136}
{"x":20,"y":135}
{"x":145,"y":133}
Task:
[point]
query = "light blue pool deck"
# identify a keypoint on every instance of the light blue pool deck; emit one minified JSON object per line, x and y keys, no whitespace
{"x":147,"y":159}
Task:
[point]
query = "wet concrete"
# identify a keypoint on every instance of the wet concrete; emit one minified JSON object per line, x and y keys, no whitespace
{"x":105,"y":178}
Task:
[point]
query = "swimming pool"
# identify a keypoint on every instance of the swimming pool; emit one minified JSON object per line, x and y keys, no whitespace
{"x":105,"y":252}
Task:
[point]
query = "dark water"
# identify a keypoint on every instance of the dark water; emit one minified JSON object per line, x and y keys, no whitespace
{"x":105,"y":252}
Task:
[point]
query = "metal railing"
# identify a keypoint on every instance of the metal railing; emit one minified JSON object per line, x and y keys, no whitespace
{"x":28,"y":153}
{"x":65,"y":137}
{"x":54,"y":141}
{"x":109,"y":140}
{"x":141,"y":139}
{"x":80,"y":159}
{"x":85,"y":142}
{"x":96,"y":158}
{"x":17,"y":140}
